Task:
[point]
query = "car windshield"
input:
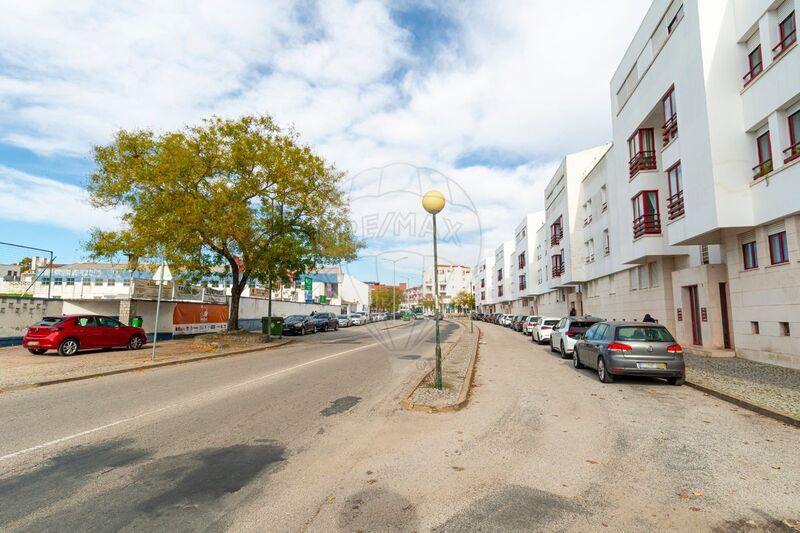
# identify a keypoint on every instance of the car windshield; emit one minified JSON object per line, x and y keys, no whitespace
{"x":579,"y":324}
{"x":550,"y":322}
{"x":50,"y":321}
{"x":295,"y":318}
{"x":644,"y":333}
{"x":342,"y":316}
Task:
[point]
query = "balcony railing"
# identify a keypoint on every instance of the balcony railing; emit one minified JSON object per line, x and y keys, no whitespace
{"x":558,"y":269}
{"x":606,"y":250}
{"x":603,"y":207}
{"x":762,"y":169}
{"x":587,"y":220}
{"x":675,"y":205}
{"x":647,"y":225}
{"x":670,"y":129}
{"x":781,"y":47}
{"x":590,"y":258}
{"x":642,"y":161}
{"x":792,"y":153}
{"x":753,"y":73}
{"x":555,"y":238}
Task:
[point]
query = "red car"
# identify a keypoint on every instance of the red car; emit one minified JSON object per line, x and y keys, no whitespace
{"x":70,"y":333}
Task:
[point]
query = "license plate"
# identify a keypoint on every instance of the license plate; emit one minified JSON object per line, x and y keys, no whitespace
{"x":649,"y":366}
{"x":33,"y":343}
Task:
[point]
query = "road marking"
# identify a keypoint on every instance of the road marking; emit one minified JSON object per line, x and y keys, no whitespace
{"x":178,"y":404}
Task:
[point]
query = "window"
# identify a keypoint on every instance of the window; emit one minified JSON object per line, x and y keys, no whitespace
{"x":603,"y":198}
{"x":111,"y":282}
{"x":778,"y":248}
{"x":86,"y":281}
{"x":539,"y":276}
{"x":483,"y":295}
{"x":521,"y":260}
{"x":558,"y":266}
{"x":499,"y":290}
{"x":606,"y":243}
{"x":793,"y":152}
{"x":500,"y":275}
{"x":483,"y":283}
{"x":646,"y":220}
{"x":57,"y":281}
{"x":522,"y":284}
{"x":675,"y":200}
{"x":755,"y":64}
{"x":98,"y":282}
{"x":641,"y":149}
{"x":45,"y":281}
{"x":788,"y":35}
{"x":764,"y":149}
{"x":704,"y":258}
{"x":633,"y":278}
{"x":754,"y":329}
{"x":85,"y":322}
{"x":784,"y":328}
{"x":750,"y":255}
{"x":675,"y":20}
{"x":670,"y":127}
{"x":70,"y":281}
{"x":556,"y":232}
{"x":587,"y":213}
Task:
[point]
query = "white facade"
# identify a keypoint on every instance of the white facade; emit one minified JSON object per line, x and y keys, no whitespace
{"x":483,"y":282}
{"x":453,"y":279}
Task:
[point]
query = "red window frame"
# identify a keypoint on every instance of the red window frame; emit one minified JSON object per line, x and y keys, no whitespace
{"x":500,"y":274}
{"x":643,"y":157}
{"x":483,"y":295}
{"x":522,"y":284}
{"x":778,"y":248}
{"x":499,"y":290}
{"x":793,"y":151}
{"x":675,"y":186}
{"x":786,"y":37}
{"x":756,"y":67}
{"x":670,"y":110}
{"x":521,"y":260}
{"x":646,"y":217}
{"x":483,"y":283}
{"x":556,"y":232}
{"x":764,"y":165}
{"x":558,"y":265}
{"x":750,"y":255}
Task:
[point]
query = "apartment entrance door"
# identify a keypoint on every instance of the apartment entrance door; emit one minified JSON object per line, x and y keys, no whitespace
{"x":723,"y":302}
{"x":694,"y":307}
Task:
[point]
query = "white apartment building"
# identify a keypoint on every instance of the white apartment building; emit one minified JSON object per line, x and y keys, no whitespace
{"x":453,"y":279}
{"x":692,"y":215}
{"x":483,"y":284}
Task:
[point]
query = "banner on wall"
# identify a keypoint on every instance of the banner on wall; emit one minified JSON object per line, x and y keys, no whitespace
{"x":192,"y":318}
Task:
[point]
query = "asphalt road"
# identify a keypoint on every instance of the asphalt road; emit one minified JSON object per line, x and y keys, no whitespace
{"x":311,"y":437}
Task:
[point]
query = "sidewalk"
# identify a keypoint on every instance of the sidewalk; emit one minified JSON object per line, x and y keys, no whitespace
{"x":770,"y":387}
{"x":18,"y":368}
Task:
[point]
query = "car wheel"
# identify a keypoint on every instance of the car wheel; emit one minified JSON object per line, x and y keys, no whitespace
{"x":676,"y":381}
{"x":68,"y":347}
{"x":336,"y":327}
{"x":37,"y":351}
{"x":602,"y":372}
{"x":552,"y":348}
{"x":576,"y":361}
{"x":135,"y":343}
{"x":303,"y":330}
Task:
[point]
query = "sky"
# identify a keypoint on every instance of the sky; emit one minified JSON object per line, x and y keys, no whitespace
{"x":480,"y":99}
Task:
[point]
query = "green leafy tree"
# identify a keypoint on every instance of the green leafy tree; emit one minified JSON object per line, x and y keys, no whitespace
{"x":382,"y":298}
{"x":427,"y":302}
{"x":242,"y":194}
{"x":464,"y":301}
{"x":25,"y":264}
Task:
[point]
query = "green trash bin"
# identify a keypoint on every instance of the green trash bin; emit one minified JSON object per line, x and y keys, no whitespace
{"x":276,"y":327}
{"x":136,"y":322}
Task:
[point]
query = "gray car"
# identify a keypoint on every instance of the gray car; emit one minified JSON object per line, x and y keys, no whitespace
{"x":630,"y":349}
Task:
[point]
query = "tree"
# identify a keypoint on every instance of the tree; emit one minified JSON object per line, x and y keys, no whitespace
{"x":242,"y":194}
{"x":382,"y":298}
{"x":25,"y":264}
{"x":427,"y":302}
{"x":464,"y":300}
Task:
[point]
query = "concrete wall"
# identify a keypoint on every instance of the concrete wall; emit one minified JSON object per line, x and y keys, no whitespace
{"x":17,"y":314}
{"x":252,"y":309}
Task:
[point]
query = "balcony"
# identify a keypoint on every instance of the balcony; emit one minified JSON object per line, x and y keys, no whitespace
{"x":606,"y":250}
{"x":558,"y":269}
{"x":603,"y":207}
{"x":589,"y":259}
{"x":782,"y":46}
{"x":753,"y":73}
{"x":670,"y":130}
{"x":792,"y":153}
{"x":587,"y":220}
{"x":642,"y":161}
{"x":647,"y":225}
{"x":762,"y":169}
{"x":556,"y":237}
{"x":675,"y":205}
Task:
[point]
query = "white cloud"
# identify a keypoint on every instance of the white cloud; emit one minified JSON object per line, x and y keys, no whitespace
{"x":523,"y":80}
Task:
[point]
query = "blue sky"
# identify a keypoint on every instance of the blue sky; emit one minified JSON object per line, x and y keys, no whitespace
{"x":489,"y":94}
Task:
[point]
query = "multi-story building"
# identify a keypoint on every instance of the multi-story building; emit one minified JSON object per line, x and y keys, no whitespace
{"x":453,"y":279}
{"x":692,"y":215}
{"x":483,"y":283}
{"x":503,"y":290}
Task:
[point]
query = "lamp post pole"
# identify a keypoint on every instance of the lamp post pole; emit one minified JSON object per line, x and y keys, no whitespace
{"x":433,"y":201}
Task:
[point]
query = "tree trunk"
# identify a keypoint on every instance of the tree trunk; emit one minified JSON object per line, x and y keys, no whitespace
{"x":233,"y":315}
{"x":269,"y":311}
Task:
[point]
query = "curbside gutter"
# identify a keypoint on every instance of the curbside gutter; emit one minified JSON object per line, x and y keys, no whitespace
{"x":764,"y":411}
{"x":82,"y":377}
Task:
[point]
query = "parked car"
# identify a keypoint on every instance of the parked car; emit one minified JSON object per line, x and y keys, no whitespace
{"x":298,"y":325}
{"x":528,"y":324}
{"x":325,"y":321}
{"x":506,"y":320}
{"x":345,"y":321}
{"x":631,"y":348}
{"x":71,"y":333}
{"x":358,"y":319}
{"x":520,"y":320}
{"x":568,"y":331}
{"x":543,"y":328}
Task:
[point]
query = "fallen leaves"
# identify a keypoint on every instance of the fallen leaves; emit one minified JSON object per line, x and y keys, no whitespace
{"x":372,"y":481}
{"x":694,"y":508}
{"x":776,"y":467}
{"x":591,"y":462}
{"x":682,"y":495}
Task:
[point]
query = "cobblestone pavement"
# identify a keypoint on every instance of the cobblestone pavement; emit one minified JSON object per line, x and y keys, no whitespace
{"x":768,"y":386}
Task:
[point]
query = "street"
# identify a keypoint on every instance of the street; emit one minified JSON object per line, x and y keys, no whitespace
{"x":311,"y":438}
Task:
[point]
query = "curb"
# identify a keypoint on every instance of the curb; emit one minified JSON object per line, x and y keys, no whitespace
{"x":140,"y":368}
{"x":463,"y":396}
{"x":776,"y":415}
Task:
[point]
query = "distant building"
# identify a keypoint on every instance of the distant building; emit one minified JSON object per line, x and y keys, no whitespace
{"x":453,"y":279}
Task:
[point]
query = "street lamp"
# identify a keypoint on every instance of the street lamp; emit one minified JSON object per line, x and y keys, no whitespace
{"x":433,"y":202}
{"x":394,"y":281}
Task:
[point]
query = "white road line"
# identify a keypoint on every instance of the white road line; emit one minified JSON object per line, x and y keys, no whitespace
{"x":179,"y":404}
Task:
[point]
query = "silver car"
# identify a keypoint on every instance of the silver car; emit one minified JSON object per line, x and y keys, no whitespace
{"x":631,"y":349}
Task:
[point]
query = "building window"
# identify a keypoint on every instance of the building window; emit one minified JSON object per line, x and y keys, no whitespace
{"x":98,"y":282}
{"x":603,"y":198}
{"x":793,"y":152}
{"x":500,"y":275}
{"x":483,"y":283}
{"x":499,"y":290}
{"x":788,"y":35}
{"x":641,"y":149}
{"x":45,"y":281}
{"x":778,"y":248}
{"x":750,"y":255}
{"x":675,"y":20}
{"x":558,"y":266}
{"x":556,"y":232}
{"x":704,"y":258}
{"x":756,"y":65}
{"x":521,"y":260}
{"x":754,"y":329}
{"x":764,"y":149}
{"x":483,"y":295}
{"x":646,"y":218}
{"x":670,"y":127}
{"x":606,"y":243}
{"x":126,"y":282}
{"x":522,"y":284}
{"x":57,"y":281}
{"x":539,"y":276}
{"x":70,"y":281}
{"x":675,"y":200}
{"x":785,"y":330}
